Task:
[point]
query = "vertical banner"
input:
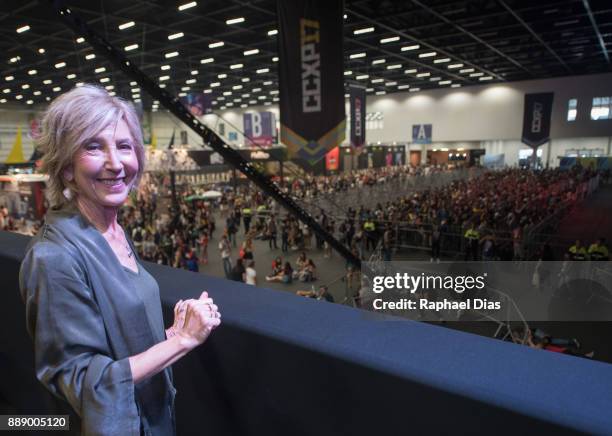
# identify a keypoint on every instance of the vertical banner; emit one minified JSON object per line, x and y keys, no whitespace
{"x":260,"y":127}
{"x":332,"y":159}
{"x":311,"y":80}
{"x":198,"y":103}
{"x":357,"y":95}
{"x":536,"y":118}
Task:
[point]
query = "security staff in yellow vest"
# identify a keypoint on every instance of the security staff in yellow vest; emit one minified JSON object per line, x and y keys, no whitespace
{"x":472,"y":237}
{"x":577,"y":251}
{"x":369,"y":228}
{"x":598,"y":250}
{"x":247,"y":214}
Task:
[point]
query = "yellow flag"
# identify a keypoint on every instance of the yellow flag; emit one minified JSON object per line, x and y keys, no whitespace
{"x":16,"y":154}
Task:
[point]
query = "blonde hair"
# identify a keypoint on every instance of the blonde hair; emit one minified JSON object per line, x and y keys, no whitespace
{"x":73,"y":118}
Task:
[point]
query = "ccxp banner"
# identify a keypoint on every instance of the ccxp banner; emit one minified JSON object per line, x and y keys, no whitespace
{"x":536,"y":118}
{"x":311,"y":80}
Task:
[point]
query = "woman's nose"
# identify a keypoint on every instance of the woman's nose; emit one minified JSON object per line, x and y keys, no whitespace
{"x":113,"y":162}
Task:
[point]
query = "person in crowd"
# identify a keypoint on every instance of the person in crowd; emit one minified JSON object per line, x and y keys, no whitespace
{"x":285,"y":275}
{"x":577,"y":251}
{"x":272,"y":232}
{"x":225,"y":250}
{"x":321,"y":294}
{"x":472,"y":238}
{"x":309,"y":272}
{"x":203,"y":243}
{"x":191,"y":261}
{"x":598,"y":250}
{"x":93,"y":310}
{"x":238,"y":271}
{"x":250,"y":275}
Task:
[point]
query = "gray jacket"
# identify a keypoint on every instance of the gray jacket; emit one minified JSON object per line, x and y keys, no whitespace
{"x":85,"y":324}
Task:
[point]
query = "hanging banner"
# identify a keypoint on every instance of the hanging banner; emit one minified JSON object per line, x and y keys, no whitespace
{"x":259,"y":128}
{"x":357,"y":95}
{"x":311,"y":80}
{"x":198,"y":103}
{"x":421,"y":133}
{"x":536,"y":118}
{"x":332,"y":159}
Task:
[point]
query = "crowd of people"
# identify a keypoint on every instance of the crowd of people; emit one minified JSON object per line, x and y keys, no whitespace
{"x":485,"y":216}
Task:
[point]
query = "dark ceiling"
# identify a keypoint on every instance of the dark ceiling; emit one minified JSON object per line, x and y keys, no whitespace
{"x":474,"y":42}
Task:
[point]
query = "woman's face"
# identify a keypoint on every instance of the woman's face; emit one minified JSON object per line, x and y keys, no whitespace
{"x":105,"y":167}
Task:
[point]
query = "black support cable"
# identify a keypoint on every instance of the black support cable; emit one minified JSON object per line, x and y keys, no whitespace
{"x":172,"y":104}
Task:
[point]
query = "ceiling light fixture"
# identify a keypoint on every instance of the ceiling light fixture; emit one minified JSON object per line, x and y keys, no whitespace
{"x":176,"y":36}
{"x":23,"y":29}
{"x":391,"y":39}
{"x":235,"y":21}
{"x":187,"y":6}
{"x":363,"y":30}
{"x":126,"y":25}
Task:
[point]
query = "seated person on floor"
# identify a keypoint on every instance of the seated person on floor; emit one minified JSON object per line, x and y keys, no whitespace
{"x":308,"y":273}
{"x":321,"y":294}
{"x":285,"y":275}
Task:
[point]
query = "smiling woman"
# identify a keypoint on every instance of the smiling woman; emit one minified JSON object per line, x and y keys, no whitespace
{"x":92,"y":309}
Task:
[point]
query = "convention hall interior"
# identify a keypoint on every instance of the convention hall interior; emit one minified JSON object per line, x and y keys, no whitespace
{"x":294,"y":151}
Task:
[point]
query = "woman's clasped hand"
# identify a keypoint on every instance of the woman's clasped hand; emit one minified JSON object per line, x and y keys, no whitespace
{"x":194,"y":320}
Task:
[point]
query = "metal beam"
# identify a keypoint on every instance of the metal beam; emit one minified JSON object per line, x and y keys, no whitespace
{"x":418,"y":40}
{"x":535,"y":35}
{"x":470,"y":34}
{"x":596,"y":29}
{"x":209,"y":137}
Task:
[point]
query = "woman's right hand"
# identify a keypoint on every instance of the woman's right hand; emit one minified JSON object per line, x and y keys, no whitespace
{"x":201,"y":317}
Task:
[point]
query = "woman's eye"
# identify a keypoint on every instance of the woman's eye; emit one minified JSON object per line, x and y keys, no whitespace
{"x":125,"y":146}
{"x":92,"y":146}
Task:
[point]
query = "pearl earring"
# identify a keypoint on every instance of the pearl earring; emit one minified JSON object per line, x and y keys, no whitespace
{"x":67,"y":193}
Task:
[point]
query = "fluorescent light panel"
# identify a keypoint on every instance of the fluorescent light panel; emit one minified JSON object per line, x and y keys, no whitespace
{"x":187,"y":6}
{"x":390,"y":39}
{"x":363,"y":30}
{"x":176,"y":35}
{"x":235,"y":21}
{"x":126,"y":25}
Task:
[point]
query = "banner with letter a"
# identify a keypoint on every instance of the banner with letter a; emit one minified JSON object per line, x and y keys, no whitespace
{"x":536,"y":118}
{"x":357,"y":96}
{"x":311,"y":79}
{"x":259,"y":127}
